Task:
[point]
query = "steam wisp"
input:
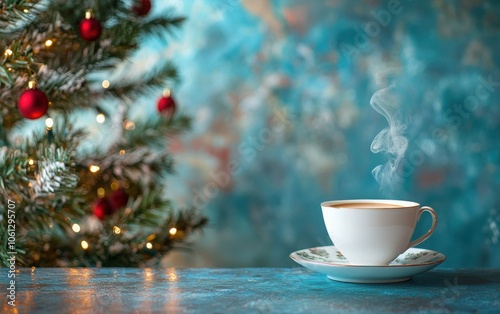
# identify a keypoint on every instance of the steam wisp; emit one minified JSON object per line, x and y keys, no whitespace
{"x":390,"y":140}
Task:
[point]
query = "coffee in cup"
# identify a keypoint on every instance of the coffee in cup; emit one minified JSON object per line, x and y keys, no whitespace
{"x":373,"y":232}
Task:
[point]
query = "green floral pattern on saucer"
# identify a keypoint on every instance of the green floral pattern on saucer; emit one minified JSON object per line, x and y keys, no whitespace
{"x":417,"y":258}
{"x":330,"y":254}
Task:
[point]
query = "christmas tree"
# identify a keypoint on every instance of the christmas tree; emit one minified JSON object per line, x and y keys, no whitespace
{"x":66,"y":202}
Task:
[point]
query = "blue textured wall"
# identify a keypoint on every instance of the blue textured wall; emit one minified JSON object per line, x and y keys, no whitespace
{"x":280,"y":92}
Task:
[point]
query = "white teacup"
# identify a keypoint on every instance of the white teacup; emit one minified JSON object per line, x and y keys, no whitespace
{"x":373,"y":232}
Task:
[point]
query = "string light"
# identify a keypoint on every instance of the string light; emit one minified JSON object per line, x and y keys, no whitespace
{"x":100,"y":118}
{"x":149,"y":245}
{"x":129,"y":125}
{"x":8,"y":52}
{"x":125,"y":184}
{"x":76,"y":228}
{"x":94,"y":168}
{"x":114,"y":185}
{"x":122,"y":152}
{"x":49,"y":123}
{"x":84,"y":245}
{"x":25,"y":10}
{"x":117,"y":230}
{"x":101,"y":192}
{"x":48,"y":43}
{"x":31,"y":162}
{"x":105,"y":84}
{"x":172,"y":231}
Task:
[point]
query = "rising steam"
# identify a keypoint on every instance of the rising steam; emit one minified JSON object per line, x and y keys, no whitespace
{"x":390,"y":140}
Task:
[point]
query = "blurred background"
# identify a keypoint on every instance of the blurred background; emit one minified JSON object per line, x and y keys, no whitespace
{"x":280,"y":96}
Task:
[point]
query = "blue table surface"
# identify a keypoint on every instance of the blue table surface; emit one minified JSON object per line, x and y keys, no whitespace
{"x":246,"y":290}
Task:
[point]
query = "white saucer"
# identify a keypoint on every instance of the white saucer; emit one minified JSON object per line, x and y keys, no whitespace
{"x":329,"y":261}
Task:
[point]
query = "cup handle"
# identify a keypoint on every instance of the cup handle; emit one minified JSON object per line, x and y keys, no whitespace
{"x":430,"y":231}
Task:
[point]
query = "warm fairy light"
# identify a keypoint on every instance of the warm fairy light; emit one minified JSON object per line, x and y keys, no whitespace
{"x":166,"y":92}
{"x":8,"y":52}
{"x":101,"y":192}
{"x":122,"y":152}
{"x":49,"y":123}
{"x":172,"y":231}
{"x":117,"y":230}
{"x":149,"y":245}
{"x":48,"y":42}
{"x":31,"y":162}
{"x":105,"y":84}
{"x":76,"y":228}
{"x":94,"y":168}
{"x":114,"y":185}
{"x":100,"y":118}
{"x":84,"y":244}
{"x":25,"y":10}
{"x":129,"y":125}
{"x":125,"y":184}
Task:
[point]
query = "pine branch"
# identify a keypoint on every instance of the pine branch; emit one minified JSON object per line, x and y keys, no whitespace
{"x":53,"y":176}
{"x":15,"y":14}
{"x":154,"y":132}
{"x":13,"y":173}
{"x":129,"y":90}
{"x":144,"y":157}
{"x":18,"y":60}
{"x":167,"y":21}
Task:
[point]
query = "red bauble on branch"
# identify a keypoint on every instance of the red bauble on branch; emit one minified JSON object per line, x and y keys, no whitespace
{"x":90,"y":27}
{"x":102,"y":208}
{"x":166,"y":104}
{"x":142,"y":7}
{"x":33,"y":103}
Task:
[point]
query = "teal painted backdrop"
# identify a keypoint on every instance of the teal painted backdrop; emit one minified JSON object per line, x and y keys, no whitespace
{"x":280,"y":94}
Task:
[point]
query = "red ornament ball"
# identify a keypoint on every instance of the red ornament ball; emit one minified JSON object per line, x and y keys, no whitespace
{"x":90,"y":29}
{"x":166,"y":106}
{"x":118,"y":199}
{"x":33,"y":103}
{"x":102,"y":208}
{"x":142,"y":7}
